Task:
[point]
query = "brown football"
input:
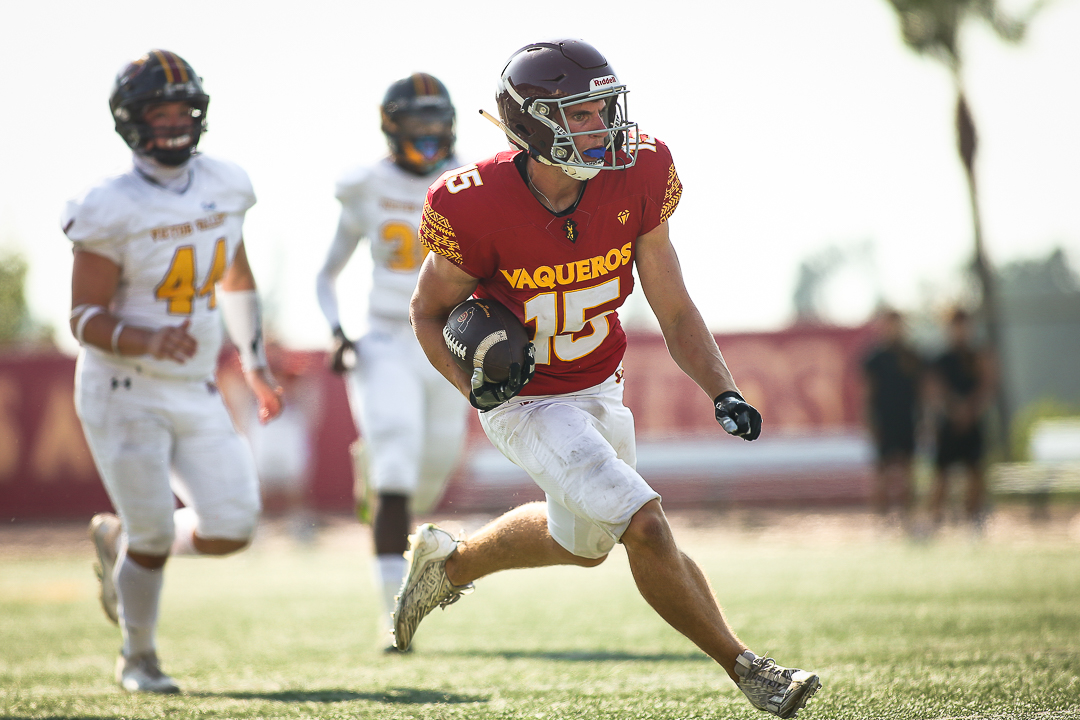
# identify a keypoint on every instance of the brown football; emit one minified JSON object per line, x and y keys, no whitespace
{"x":483,"y":333}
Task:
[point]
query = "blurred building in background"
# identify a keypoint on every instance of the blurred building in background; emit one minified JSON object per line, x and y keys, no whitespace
{"x":1041,"y":312}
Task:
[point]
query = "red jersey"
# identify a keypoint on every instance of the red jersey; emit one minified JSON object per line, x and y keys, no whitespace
{"x":565,"y":275}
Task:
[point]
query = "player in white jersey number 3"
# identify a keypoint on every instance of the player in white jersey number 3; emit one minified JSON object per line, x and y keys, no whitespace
{"x":411,"y":421}
{"x":158,"y":259}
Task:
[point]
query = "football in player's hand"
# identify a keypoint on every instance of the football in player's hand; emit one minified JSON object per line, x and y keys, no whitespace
{"x":483,"y":333}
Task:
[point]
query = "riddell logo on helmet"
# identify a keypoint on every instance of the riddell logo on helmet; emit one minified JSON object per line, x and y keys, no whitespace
{"x":603,"y":82}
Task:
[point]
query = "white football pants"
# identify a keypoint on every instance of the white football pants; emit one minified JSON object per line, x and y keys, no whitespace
{"x":411,"y":419}
{"x":580,"y":449}
{"x":152,"y":437}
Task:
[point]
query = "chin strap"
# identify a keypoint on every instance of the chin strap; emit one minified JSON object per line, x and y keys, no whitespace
{"x":578,"y":173}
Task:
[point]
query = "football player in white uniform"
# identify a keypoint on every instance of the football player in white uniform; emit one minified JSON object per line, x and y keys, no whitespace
{"x":159,"y":259}
{"x":411,"y":421}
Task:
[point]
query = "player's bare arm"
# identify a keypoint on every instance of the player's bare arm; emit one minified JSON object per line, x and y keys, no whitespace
{"x":238,"y":289}
{"x":94,"y":280}
{"x":439,"y":289}
{"x":689,"y":341}
{"x":239,"y":276}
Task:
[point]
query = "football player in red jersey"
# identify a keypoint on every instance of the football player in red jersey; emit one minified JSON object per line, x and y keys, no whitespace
{"x":552,"y":231}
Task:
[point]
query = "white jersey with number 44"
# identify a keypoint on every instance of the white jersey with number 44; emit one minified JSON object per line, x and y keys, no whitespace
{"x":172,"y":249}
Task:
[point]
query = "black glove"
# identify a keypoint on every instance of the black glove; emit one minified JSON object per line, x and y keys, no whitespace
{"x":344,"y":358}
{"x":486,"y":396}
{"x":737,"y":416}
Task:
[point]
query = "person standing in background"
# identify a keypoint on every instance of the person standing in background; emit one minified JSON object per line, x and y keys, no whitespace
{"x":894,"y":374}
{"x":411,"y":421}
{"x":964,"y":380}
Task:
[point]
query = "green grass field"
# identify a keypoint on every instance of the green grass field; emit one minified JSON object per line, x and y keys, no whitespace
{"x":953,"y":628}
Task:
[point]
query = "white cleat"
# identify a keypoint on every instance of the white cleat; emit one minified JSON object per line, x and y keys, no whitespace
{"x":105,"y":532}
{"x":426,"y":586}
{"x":142,"y":674}
{"x":773,"y":688}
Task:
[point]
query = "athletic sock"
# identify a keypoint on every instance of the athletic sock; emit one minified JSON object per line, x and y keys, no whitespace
{"x":184,"y":523}
{"x":138,"y":591}
{"x":389,"y":573}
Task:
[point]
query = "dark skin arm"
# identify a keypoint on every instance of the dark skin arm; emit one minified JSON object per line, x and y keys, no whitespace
{"x":94,"y":280}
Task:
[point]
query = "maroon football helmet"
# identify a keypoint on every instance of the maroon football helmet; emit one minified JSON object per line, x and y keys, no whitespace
{"x":542,"y":80}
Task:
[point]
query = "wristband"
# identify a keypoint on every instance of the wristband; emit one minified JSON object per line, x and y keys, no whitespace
{"x":87,"y":312}
{"x":116,"y":336}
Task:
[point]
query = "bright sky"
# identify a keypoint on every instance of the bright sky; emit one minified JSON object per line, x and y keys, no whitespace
{"x":794,"y":126}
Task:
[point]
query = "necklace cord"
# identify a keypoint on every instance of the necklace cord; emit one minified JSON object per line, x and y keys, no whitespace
{"x":550,"y":205}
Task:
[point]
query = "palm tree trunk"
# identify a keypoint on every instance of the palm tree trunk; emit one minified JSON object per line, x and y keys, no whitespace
{"x":967,"y":144}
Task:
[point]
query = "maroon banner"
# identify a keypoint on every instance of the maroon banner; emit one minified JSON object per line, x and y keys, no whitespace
{"x":805,"y":381}
{"x":801,"y":379}
{"x":45,"y":467}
